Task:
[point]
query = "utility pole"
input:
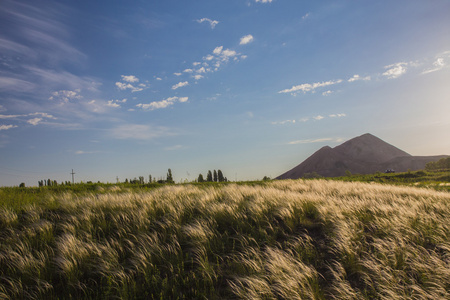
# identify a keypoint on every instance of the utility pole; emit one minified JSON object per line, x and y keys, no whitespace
{"x":72,"y":176}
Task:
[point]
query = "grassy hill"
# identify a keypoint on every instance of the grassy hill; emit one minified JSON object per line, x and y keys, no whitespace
{"x":287,"y":239}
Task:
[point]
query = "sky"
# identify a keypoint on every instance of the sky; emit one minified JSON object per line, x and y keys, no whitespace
{"x":122,"y":89}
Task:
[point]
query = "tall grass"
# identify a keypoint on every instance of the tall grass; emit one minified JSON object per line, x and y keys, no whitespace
{"x":287,"y":239}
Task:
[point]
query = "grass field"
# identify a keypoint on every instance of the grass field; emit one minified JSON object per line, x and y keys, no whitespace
{"x":288,"y":239}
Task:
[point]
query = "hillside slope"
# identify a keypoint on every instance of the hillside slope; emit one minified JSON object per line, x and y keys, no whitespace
{"x":364,"y":154}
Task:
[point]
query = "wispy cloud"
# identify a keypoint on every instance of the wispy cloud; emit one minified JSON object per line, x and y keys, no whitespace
{"x":440,"y":62}
{"x":306,"y":119}
{"x":310,"y":141}
{"x":139,"y":132}
{"x":212,"y":23}
{"x":180,"y":84}
{"x":163,"y":103}
{"x":7,"y":127}
{"x":246,"y":39}
{"x":309,"y":87}
{"x":356,"y":77}
{"x":263,"y":1}
{"x":337,"y":115}
{"x":395,"y":70}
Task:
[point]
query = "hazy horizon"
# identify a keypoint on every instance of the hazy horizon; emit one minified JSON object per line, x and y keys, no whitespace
{"x":129,"y":89}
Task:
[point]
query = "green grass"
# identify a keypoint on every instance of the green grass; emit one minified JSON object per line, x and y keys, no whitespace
{"x":287,"y":239}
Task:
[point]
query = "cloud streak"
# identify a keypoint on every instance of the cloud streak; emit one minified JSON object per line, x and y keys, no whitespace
{"x":163,"y":103}
{"x":212,"y":23}
{"x":309,"y":87}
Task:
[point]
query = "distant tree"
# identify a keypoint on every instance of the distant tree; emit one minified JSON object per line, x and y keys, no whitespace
{"x":22,"y":185}
{"x":215,"y":176}
{"x":41,"y":183}
{"x":200,"y":178}
{"x":49,"y":182}
{"x":209,"y":176}
{"x":169,"y":176}
{"x":126,"y":180}
{"x":149,"y":178}
{"x":220,"y":176}
{"x":141,"y":179}
{"x":266,"y":178}
{"x":441,"y":165}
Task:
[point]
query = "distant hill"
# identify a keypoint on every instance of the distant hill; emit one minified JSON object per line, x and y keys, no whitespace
{"x":365,"y":154}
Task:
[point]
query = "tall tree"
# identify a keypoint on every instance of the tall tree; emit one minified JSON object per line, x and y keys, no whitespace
{"x":209,"y":176}
{"x":169,"y":176}
{"x":215,"y":176}
{"x":200,"y":178}
{"x":220,"y":176}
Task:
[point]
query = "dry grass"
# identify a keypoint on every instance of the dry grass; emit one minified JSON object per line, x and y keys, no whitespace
{"x":281,"y":240}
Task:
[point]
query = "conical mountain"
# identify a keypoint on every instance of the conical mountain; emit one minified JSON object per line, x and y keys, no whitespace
{"x":364,"y":154}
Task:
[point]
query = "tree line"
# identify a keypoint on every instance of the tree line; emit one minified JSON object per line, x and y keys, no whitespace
{"x":215,"y":176}
{"x":441,"y":165}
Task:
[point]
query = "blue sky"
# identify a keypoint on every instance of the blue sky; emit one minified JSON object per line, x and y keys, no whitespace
{"x":252,"y":87}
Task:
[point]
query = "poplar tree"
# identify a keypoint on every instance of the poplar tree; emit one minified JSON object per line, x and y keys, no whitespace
{"x":169,"y":176}
{"x":209,"y":177}
{"x":220,"y":176}
{"x":200,"y":178}
{"x":215,"y":176}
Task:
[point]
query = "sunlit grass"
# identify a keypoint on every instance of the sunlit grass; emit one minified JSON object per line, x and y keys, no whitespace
{"x":289,"y":239}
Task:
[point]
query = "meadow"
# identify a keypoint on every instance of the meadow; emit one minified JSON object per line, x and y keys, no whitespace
{"x":286,"y":239}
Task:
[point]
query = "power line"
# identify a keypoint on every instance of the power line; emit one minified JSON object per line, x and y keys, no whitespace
{"x":73,"y":173}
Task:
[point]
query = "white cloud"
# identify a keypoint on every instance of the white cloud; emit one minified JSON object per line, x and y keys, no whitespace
{"x":180,"y":84}
{"x":228,"y":53}
{"x":127,"y":84}
{"x":112,"y":103}
{"x":263,"y":1}
{"x":246,"y":39}
{"x":326,"y":93}
{"x":65,"y":95}
{"x":81,"y":152}
{"x":44,"y":115}
{"x":6,"y":127}
{"x":318,"y":118}
{"x":123,"y":86}
{"x":306,"y":16}
{"x":218,"y":50}
{"x":356,"y":77}
{"x":212,"y":23}
{"x":177,"y":74}
{"x":34,"y":121}
{"x":310,"y":141}
{"x":188,"y":71}
{"x":337,"y":115}
{"x":139,"y":132}
{"x":198,"y":77}
{"x":395,"y":70}
{"x":283,"y":122}
{"x":129,"y":78}
{"x":307,"y":87}
{"x":439,"y":63}
{"x":163,"y":103}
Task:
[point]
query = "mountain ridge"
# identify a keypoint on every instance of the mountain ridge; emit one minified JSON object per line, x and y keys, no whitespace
{"x":365,"y":154}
